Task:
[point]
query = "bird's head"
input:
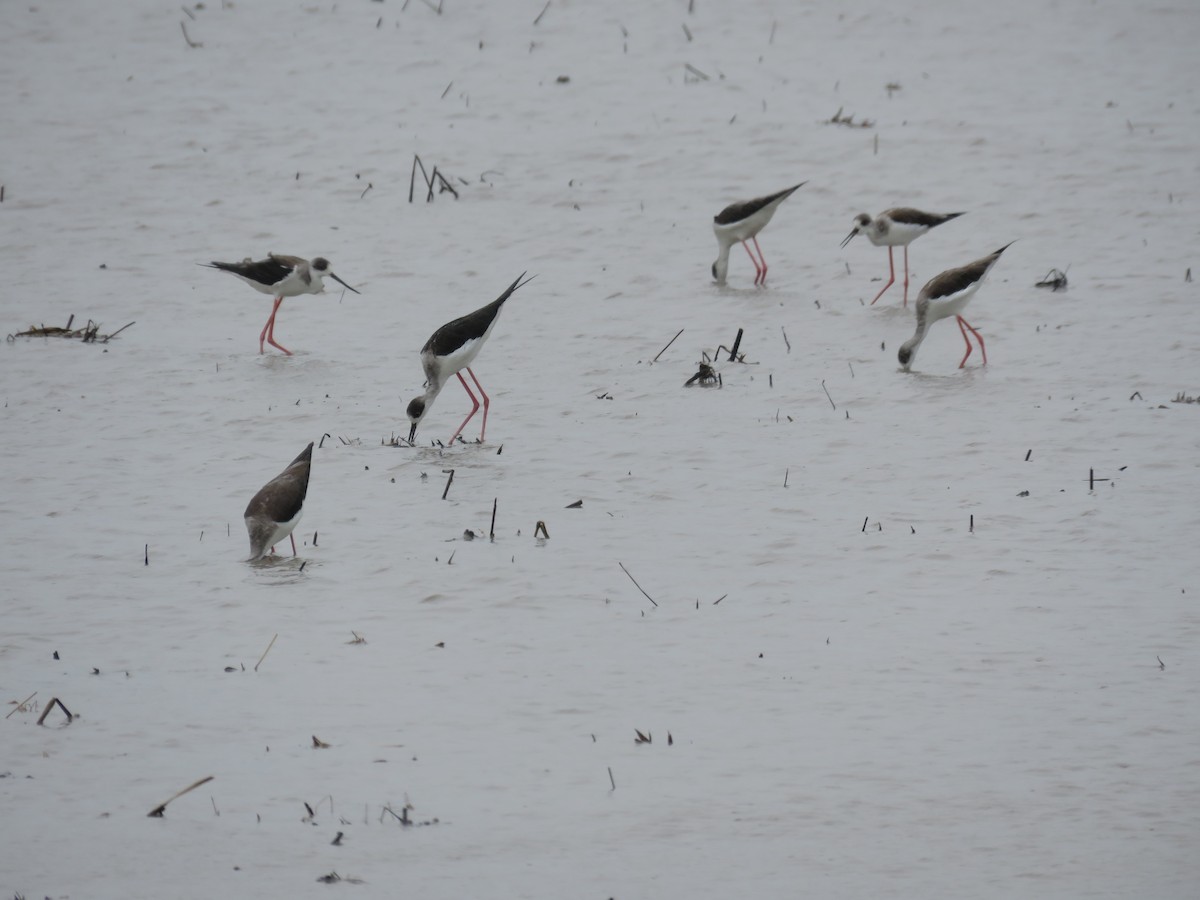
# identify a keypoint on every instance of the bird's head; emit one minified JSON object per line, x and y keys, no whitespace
{"x":861,"y":223}
{"x":719,"y":270}
{"x":320,"y":267}
{"x":416,"y":412}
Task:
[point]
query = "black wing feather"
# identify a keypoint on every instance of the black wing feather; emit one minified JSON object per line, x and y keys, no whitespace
{"x":264,"y":271}
{"x":470,"y":327}
{"x":735,"y":212}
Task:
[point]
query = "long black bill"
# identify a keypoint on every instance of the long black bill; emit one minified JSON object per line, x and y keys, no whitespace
{"x":412,"y":433}
{"x":849,"y":236}
{"x":342,"y":283}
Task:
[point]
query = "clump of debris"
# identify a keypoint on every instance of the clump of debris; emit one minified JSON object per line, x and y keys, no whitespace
{"x":89,"y":334}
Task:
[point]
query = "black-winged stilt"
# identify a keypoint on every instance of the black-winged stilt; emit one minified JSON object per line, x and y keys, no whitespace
{"x":741,"y":222}
{"x":947,"y":295}
{"x":275,"y":510}
{"x":896,"y":228}
{"x":449,"y":350}
{"x":281,"y":276}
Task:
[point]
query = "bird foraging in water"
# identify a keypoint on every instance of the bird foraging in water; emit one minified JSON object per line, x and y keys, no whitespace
{"x":282,"y":276}
{"x":741,"y":222}
{"x":896,"y":228}
{"x":947,"y":295}
{"x":452,"y":348}
{"x":275,"y":510}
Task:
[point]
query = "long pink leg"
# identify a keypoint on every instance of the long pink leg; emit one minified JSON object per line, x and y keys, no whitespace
{"x":269,"y":330}
{"x":486,"y":401}
{"x":891,"y":276}
{"x":964,"y":326}
{"x":906,"y":275}
{"x":757,"y":268}
{"x":263,"y":335}
{"x":762,"y":278}
{"x":293,"y":537}
{"x":474,"y":407}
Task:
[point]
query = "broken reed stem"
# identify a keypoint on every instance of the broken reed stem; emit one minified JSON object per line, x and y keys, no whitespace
{"x":264,"y":655}
{"x":736,"y":343}
{"x":611,"y":780}
{"x":785,"y":340}
{"x":21,"y":705}
{"x":635,"y":584}
{"x":412,"y":181}
{"x":669,"y":343}
{"x":449,"y":481}
{"x":540,"y":529}
{"x":542,"y":13}
{"x":492,"y":530}
{"x":54,"y":701}
{"x":190,"y":42}
{"x":157,"y":812}
{"x":115,"y":333}
{"x":826,"y":390}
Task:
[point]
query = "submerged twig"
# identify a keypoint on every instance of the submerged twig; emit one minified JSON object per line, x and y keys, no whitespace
{"x":635,"y":584}
{"x":159,"y":810}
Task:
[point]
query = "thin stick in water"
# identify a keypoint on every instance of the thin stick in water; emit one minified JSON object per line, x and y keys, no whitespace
{"x":635,"y":584}
{"x":158,"y":811}
{"x":826,"y":390}
{"x":259,"y":663}
{"x":669,"y":343}
{"x":21,"y":705}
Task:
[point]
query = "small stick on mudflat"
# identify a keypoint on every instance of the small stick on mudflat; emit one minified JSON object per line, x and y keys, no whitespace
{"x":449,"y":481}
{"x":540,"y":529}
{"x":492,"y":530}
{"x":542,"y":13}
{"x":109,"y":337}
{"x":611,"y":780}
{"x":446,"y":186}
{"x":264,"y":655}
{"x":736,"y":343}
{"x":158,"y":811}
{"x":412,"y":181}
{"x":635,"y":584}
{"x":785,"y":340}
{"x":190,"y":42}
{"x":21,"y":705}
{"x":147,"y":557}
{"x":49,"y":706}
{"x":669,"y":343}
{"x":826,"y":390}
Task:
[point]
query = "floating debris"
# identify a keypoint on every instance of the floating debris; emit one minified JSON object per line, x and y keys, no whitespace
{"x":1055,"y":280}
{"x":89,"y":334}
